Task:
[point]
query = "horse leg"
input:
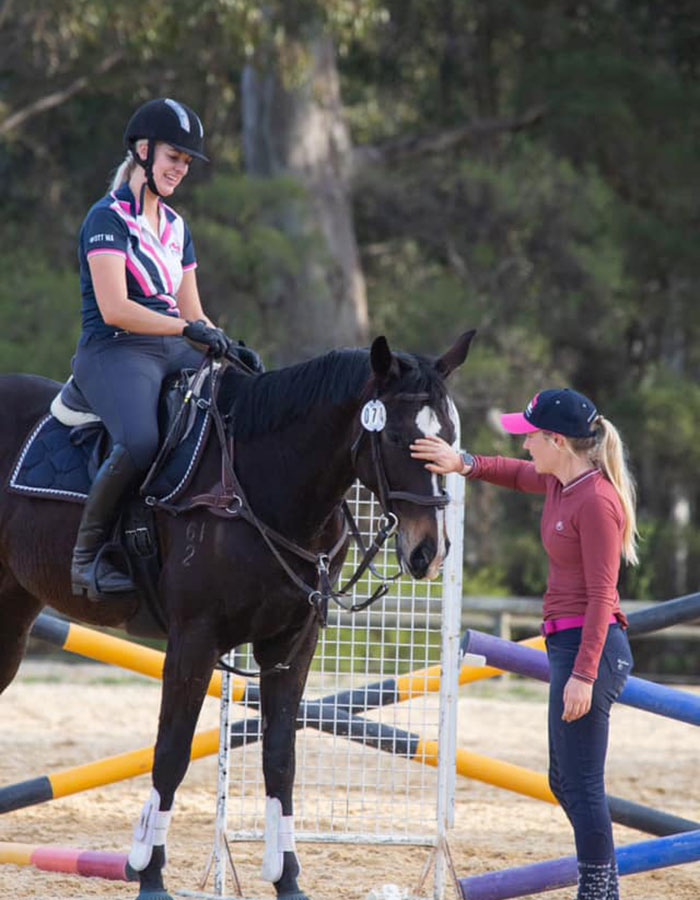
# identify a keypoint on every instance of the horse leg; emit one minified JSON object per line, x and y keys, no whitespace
{"x":280,"y":693}
{"x":189,"y":662}
{"x":18,"y":609}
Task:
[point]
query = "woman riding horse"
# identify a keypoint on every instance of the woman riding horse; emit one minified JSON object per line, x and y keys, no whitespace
{"x":139,"y":302}
{"x":300,"y":437}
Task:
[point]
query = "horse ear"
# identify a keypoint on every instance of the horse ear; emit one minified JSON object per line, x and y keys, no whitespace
{"x":381,"y":357}
{"x":456,"y":355}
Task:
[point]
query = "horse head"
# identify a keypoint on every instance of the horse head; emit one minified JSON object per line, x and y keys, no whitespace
{"x":407,"y":398}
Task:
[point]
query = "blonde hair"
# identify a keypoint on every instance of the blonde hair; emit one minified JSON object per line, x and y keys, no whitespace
{"x":606,"y":451}
{"x":124,"y":171}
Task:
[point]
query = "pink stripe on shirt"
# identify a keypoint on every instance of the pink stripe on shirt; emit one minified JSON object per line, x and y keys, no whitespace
{"x":144,"y":246}
{"x":166,"y":232}
{"x":172,"y":303}
{"x":104,"y":251}
{"x":133,"y":268}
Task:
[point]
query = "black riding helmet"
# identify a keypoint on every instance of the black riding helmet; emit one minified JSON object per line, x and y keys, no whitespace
{"x":164,"y":120}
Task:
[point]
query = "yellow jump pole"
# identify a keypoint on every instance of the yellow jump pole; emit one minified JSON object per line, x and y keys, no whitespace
{"x":95,"y":774}
{"x":416,"y":683}
{"x":491,"y":771}
{"x":118,"y":652}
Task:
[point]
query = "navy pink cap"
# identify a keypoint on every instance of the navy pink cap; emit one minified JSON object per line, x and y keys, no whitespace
{"x":560,"y":410}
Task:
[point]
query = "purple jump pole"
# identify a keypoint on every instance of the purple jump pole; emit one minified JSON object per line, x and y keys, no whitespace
{"x":532,"y":663}
{"x":557,"y":873}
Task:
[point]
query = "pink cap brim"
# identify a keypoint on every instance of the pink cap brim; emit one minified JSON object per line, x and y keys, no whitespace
{"x":516,"y":423}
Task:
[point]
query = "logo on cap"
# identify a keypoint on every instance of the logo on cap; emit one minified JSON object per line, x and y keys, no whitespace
{"x":531,"y":405}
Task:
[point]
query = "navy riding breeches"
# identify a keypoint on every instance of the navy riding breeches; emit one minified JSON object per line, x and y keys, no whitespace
{"x":577,"y":750}
{"x":121,"y":376}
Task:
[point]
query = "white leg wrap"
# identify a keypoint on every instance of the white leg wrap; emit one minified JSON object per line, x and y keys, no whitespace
{"x":150,"y":831}
{"x":279,"y":838}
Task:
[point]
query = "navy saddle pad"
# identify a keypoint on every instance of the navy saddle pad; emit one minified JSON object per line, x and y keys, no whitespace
{"x":58,"y":461}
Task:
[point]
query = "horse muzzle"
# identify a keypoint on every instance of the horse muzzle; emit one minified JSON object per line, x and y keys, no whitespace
{"x":422,"y":560}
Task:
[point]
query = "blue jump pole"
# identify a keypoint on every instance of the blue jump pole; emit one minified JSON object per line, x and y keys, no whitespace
{"x":532,"y":663}
{"x":557,"y":873}
{"x":664,"y":614}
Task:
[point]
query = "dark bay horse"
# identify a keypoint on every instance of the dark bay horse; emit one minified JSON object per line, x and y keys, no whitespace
{"x":301,"y":436}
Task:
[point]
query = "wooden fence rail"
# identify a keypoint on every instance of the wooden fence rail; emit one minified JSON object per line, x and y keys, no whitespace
{"x":501,"y":613}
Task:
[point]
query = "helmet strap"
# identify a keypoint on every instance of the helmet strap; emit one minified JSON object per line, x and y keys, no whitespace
{"x":141,"y":198}
{"x":147,"y":165}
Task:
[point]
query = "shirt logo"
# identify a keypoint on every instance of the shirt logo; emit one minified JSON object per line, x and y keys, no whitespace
{"x":101,"y":237}
{"x":175,"y":247}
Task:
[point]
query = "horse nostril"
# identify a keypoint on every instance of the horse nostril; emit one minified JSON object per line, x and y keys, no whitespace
{"x":447,"y":545}
{"x":421,"y":558}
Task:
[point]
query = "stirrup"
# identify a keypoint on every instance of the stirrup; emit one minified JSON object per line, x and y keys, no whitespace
{"x":90,"y":585}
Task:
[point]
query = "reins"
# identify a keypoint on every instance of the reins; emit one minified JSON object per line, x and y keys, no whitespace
{"x":228,"y":500}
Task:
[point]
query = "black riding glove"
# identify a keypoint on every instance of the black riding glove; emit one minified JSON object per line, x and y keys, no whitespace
{"x":248,"y":356}
{"x":213,"y":338}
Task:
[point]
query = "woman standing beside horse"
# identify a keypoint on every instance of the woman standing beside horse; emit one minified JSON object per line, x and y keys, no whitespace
{"x":139,"y":301}
{"x":588,"y":522}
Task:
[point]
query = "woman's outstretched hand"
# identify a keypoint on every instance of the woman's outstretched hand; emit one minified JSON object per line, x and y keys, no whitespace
{"x":440,"y":457}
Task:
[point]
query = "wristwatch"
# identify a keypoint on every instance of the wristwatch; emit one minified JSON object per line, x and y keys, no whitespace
{"x":467,"y":458}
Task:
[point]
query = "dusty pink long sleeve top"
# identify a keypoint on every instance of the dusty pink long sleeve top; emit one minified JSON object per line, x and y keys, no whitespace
{"x":581,"y":529}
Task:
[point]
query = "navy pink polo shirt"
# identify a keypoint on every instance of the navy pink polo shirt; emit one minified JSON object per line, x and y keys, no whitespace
{"x":581,"y":529}
{"x":154,"y":263}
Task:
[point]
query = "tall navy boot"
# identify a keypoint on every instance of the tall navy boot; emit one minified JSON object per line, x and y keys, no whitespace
{"x":115,"y":475}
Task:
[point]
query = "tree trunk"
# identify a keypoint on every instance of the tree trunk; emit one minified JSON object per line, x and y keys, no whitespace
{"x":298,"y":130}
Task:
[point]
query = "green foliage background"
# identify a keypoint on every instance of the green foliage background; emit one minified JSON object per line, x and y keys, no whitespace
{"x":572,"y":245}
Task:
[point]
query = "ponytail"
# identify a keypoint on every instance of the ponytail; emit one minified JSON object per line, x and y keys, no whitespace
{"x":606,"y":451}
{"x":125,"y":170}
{"x":123,"y":173}
{"x":610,"y":456}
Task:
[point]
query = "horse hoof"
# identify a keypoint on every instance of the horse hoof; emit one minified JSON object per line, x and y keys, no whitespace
{"x":297,"y":895}
{"x":154,"y":895}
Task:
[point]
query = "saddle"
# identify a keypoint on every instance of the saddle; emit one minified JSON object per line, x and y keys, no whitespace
{"x":65,"y":449}
{"x":71,"y":407}
{"x":62,"y":454}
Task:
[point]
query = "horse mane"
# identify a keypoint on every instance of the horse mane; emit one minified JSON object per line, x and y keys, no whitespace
{"x":269,"y":402}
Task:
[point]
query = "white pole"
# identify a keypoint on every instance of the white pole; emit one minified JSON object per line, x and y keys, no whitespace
{"x":222,"y":781}
{"x":449,"y":677}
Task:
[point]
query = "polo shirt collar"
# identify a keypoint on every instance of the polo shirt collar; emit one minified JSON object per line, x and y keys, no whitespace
{"x":125,"y":194}
{"x":584,"y":476}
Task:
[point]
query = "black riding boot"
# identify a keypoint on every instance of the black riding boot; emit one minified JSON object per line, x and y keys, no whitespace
{"x":114,"y":476}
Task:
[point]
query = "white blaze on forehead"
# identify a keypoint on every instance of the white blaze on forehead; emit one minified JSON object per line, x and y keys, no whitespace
{"x":454,"y":418}
{"x":428,"y":422}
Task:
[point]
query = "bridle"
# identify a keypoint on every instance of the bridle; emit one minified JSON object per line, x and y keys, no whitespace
{"x":384,"y":493}
{"x":228,"y":500}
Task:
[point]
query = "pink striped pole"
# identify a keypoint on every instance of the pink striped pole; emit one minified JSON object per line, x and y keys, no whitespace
{"x":70,"y":860}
